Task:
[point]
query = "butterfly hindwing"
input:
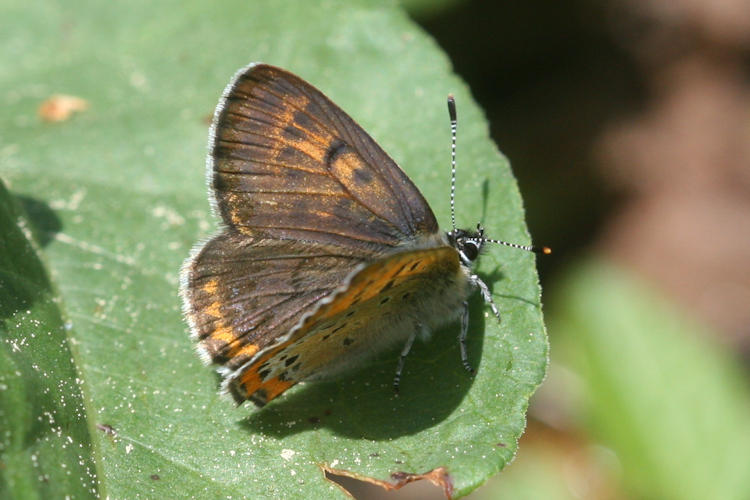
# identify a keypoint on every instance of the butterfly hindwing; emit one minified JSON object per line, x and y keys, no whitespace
{"x":290,"y":164}
{"x":377,"y":307}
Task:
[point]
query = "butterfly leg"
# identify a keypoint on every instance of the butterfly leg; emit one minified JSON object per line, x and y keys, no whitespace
{"x":462,"y":338}
{"x":486,"y":295}
{"x":401,"y":359}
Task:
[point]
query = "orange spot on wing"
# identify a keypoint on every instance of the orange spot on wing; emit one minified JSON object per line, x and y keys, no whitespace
{"x":210,"y":287}
{"x":213,"y":310}
{"x":225,"y":333}
{"x":312,"y":150}
{"x":275,"y":387}
{"x":246,"y":350}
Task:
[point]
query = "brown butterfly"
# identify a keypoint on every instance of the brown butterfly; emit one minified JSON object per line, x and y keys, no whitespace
{"x":329,"y":254}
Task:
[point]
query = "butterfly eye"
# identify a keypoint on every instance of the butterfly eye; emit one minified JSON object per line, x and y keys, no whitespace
{"x":470,"y":250}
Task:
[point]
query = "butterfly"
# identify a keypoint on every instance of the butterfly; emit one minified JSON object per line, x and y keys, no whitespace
{"x":328,"y":253}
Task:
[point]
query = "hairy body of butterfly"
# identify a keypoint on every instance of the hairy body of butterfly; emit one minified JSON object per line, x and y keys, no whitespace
{"x":329,"y":253}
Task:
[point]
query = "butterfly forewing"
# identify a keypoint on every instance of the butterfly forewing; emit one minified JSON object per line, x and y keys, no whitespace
{"x":290,"y":164}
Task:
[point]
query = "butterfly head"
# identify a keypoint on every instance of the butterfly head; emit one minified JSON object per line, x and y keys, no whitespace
{"x":468,"y":243}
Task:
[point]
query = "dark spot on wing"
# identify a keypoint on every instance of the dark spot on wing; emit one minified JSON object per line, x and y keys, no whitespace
{"x":348,"y":341}
{"x":362,"y":176}
{"x":334,"y":150}
{"x":289,"y":155}
{"x":220,"y":183}
{"x":387,"y":286}
{"x":220,"y":358}
{"x":303,"y":120}
{"x":292,"y":133}
{"x":291,"y":360}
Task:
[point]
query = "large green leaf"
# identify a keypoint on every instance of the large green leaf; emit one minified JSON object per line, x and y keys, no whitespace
{"x":118,"y":197}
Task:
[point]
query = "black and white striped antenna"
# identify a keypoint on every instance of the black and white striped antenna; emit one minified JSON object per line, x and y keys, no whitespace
{"x":528,"y":248}
{"x":454,"y":126}
{"x":480,"y":239}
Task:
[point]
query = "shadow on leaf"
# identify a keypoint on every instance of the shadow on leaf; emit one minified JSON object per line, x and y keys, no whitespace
{"x":364,"y":405}
{"x":44,"y":221}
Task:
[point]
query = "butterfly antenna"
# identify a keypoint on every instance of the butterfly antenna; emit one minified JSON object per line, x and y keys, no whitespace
{"x":454,"y":126}
{"x":528,"y":248}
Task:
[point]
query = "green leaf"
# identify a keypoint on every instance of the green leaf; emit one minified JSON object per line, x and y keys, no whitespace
{"x":41,"y":403}
{"x":120,"y":199}
{"x":672,"y":404}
